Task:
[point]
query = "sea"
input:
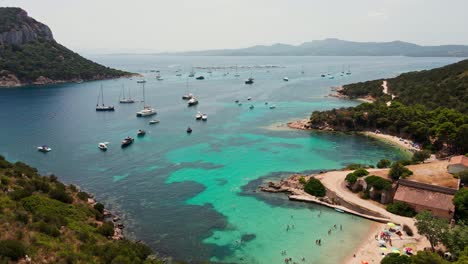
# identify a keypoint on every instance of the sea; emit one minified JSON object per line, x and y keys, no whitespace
{"x":194,"y":197}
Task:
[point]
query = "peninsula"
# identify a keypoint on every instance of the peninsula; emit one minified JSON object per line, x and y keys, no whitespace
{"x":29,"y":55}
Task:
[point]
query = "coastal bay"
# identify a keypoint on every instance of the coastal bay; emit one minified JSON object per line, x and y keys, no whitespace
{"x":183,"y":194}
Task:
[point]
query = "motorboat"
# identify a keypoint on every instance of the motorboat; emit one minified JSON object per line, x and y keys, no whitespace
{"x":272,"y":106}
{"x":141,"y":133}
{"x":198,"y":116}
{"x":187,"y":96}
{"x":266,"y":103}
{"x":323,"y":75}
{"x":193,"y":101}
{"x":286,"y":79}
{"x":189,"y":130}
{"x":103,"y":146}
{"x":154,"y":121}
{"x":204,"y":117}
{"x":179,"y":74}
{"x":249,"y":81}
{"x":141,"y":81}
{"x":127,"y":142}
{"x":236,"y":101}
{"x":200,"y":78}
{"x":249,"y":98}
{"x":44,"y":149}
{"x":147,"y":111}
{"x":251,"y":107}
{"x":159,"y":78}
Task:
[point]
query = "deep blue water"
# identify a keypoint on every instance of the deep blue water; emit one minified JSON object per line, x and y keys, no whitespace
{"x":186,"y":195}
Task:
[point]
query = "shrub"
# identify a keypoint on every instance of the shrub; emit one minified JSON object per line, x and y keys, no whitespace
{"x":41,"y":185}
{"x":315,"y":188}
{"x":383,"y":163}
{"x":21,"y":168}
{"x":83,"y":196}
{"x":460,"y":200}
{"x":378,"y":183}
{"x":408,"y":230}
{"x":463,"y":176}
{"x":302,"y":180}
{"x":355,"y":166}
{"x":99,"y":207}
{"x":395,"y":258}
{"x":22,"y":217}
{"x":60,"y":195}
{"x":399,"y":171}
{"x":361,"y":172}
{"x":4,"y":164}
{"x":421,"y":156}
{"x":351,"y":178}
{"x":19,"y":194}
{"x":73,"y":188}
{"x":401,"y":208}
{"x":12,"y":249}
{"x":48,"y":229}
{"x":106,"y":229}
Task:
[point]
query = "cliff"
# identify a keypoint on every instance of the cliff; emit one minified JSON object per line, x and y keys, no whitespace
{"x":29,"y":55}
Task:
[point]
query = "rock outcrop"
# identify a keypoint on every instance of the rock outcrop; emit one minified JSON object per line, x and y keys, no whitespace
{"x":26,"y":29}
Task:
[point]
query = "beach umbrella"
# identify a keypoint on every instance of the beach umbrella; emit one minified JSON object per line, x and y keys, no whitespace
{"x":364,"y":262}
{"x":390,"y":224}
{"x":396,"y":251}
{"x":383,"y":248}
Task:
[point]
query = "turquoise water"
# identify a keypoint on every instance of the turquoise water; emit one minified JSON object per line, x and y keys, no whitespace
{"x":193,"y":196}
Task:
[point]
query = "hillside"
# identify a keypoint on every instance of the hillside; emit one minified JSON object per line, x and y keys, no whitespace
{"x":441,"y":87}
{"x":337,"y":47}
{"x":30,"y":55}
{"x":431,"y":108}
{"x":54,"y":223}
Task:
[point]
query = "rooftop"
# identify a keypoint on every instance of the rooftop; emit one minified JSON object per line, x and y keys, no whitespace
{"x":427,"y":198}
{"x":459,"y":160}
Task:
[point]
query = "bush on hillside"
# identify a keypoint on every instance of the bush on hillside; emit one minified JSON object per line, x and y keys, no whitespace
{"x":361,"y":172}
{"x":83,"y":196}
{"x":106,"y":229}
{"x":315,"y":188}
{"x":351,"y":178}
{"x":60,"y":195}
{"x":421,"y":156}
{"x":12,"y":249}
{"x":401,"y":208}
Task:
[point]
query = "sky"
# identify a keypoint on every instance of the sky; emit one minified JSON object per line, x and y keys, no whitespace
{"x":139,"y":26}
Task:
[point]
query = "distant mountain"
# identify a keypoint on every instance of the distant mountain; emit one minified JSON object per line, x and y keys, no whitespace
{"x":30,"y":55}
{"x":337,"y":47}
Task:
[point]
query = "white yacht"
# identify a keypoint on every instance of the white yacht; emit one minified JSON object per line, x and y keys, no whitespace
{"x":193,"y":101}
{"x":124,"y":99}
{"x":286,"y":79}
{"x":198,"y":116}
{"x":103,"y":146}
{"x":204,"y":117}
{"x":147,"y":110}
{"x":44,"y":148}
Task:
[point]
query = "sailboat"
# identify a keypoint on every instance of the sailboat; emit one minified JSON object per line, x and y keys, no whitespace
{"x":237,"y":74}
{"x":187,"y":95}
{"x":192,"y":73}
{"x":302,"y":69}
{"x":125,"y":100}
{"x":147,"y":110}
{"x":102,"y":107}
{"x":349,"y":71}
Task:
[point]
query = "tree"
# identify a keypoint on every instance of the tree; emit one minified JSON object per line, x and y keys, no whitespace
{"x":398,"y":171}
{"x":395,"y":258}
{"x":426,"y":257}
{"x":401,"y":208}
{"x":315,"y":188}
{"x":456,"y":239}
{"x":383,"y":163}
{"x":461,"y":203}
{"x":12,"y":249}
{"x":421,"y":156}
{"x":432,"y":228}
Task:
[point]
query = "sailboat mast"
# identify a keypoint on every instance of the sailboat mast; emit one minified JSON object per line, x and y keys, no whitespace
{"x":102,"y":97}
{"x":144,"y":98}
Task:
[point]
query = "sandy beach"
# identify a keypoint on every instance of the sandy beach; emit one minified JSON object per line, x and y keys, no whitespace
{"x":368,"y":249}
{"x":394,"y":140}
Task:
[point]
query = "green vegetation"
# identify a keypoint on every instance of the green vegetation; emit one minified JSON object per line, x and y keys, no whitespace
{"x":315,"y":188}
{"x":378,"y":183}
{"x":51,"y":60}
{"x":442,"y":87}
{"x":45,"y":219}
{"x":461,"y":203}
{"x":431,"y":227}
{"x":401,"y":208}
{"x":430,"y":108}
{"x":384,"y":163}
{"x":43,"y":56}
{"x":398,"y":171}
{"x":355,"y":166}
{"x":302,"y":180}
{"x":353,"y":176}
{"x":395,"y":258}
{"x":421,"y":156}
{"x":463,"y":176}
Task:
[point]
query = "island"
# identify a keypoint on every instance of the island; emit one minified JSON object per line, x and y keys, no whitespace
{"x":29,"y":55}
